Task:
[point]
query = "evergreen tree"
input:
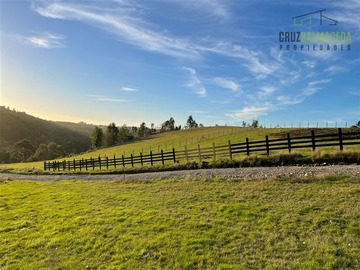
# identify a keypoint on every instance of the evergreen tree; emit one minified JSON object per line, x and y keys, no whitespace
{"x":97,"y":138}
{"x":111,"y":135}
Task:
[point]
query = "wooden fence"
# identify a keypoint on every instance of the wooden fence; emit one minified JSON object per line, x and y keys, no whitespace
{"x":313,"y":141}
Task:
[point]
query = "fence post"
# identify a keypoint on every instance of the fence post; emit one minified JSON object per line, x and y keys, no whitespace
{"x":93,"y":163}
{"x":58,"y":163}
{"x":199,"y":152}
{"x":186,"y":154}
{"x":289,"y":142}
{"x":247,"y":147}
{"x":81,"y":163}
{"x":114,"y":161}
{"x":74,"y":163}
{"x":313,"y":140}
{"x":267,"y":145}
{"x":132,"y":160}
{"x":64,"y":165}
{"x":173,"y":151}
{"x":214,"y":151}
{"x":151,"y":159}
{"x":123,"y":161}
{"x":162,"y":157}
{"x":230,"y":150}
{"x":107,"y":162}
{"x":141,"y":158}
{"x":341,"y":140}
{"x":86,"y":164}
{"x":44,"y":165}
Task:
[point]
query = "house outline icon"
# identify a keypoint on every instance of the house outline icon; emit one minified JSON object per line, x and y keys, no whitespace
{"x":301,"y":19}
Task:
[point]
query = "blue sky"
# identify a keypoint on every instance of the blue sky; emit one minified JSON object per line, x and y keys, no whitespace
{"x":146,"y":61}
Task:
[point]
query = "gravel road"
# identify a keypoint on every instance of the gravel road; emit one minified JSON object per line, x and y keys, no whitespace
{"x":256,"y":172}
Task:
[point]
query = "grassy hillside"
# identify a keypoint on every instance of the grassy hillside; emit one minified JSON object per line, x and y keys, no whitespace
{"x":191,"y":138}
{"x":181,"y":224}
{"x":16,"y":126}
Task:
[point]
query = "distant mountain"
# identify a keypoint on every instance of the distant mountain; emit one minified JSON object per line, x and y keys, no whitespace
{"x":16,"y":126}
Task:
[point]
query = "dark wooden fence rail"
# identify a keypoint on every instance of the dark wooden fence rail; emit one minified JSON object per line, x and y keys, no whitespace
{"x":313,"y":141}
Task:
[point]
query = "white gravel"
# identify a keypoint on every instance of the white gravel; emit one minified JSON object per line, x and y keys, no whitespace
{"x":240,"y":173}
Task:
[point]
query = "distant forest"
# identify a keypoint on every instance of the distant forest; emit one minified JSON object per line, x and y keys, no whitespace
{"x":27,"y":138}
{"x":24,"y":137}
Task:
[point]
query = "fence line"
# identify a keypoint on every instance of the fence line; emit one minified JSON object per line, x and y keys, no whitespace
{"x":289,"y":143}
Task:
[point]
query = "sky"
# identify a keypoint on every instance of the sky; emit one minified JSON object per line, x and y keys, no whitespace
{"x":221,"y":61}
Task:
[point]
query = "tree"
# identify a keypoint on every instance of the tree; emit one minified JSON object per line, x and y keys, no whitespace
{"x":4,"y":156}
{"x":255,"y":124}
{"x":191,"y":123}
{"x":97,"y":138}
{"x":22,"y":151}
{"x":111,"y":135}
{"x":49,"y":151}
{"x":168,"y":125}
{"x":143,"y":130}
{"x":124,"y":134}
{"x":243,"y":124}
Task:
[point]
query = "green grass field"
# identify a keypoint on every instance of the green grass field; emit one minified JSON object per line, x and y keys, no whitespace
{"x":181,"y":224}
{"x":205,"y":137}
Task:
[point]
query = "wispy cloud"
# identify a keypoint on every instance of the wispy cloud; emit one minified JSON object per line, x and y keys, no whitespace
{"x":47,"y":40}
{"x":215,"y":8}
{"x":134,"y":30}
{"x":111,"y":100}
{"x":129,"y":89}
{"x":103,"y":98}
{"x":246,"y":113}
{"x":195,"y":83}
{"x":130,"y":30}
{"x":309,"y":64}
{"x":227,"y":83}
{"x":314,"y":86}
{"x":199,"y":112}
{"x":266,"y":91}
{"x":334,"y":69}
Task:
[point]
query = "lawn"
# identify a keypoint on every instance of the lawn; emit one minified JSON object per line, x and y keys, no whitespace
{"x":181,"y":224}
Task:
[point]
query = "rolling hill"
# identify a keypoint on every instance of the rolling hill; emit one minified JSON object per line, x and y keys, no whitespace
{"x":16,"y":126}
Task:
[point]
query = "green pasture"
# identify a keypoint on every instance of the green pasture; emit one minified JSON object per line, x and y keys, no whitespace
{"x":181,"y":224}
{"x":191,"y":138}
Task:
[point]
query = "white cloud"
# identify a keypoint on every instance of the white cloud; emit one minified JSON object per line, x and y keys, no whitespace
{"x":139,"y":33}
{"x":111,"y":99}
{"x":266,"y":91}
{"x":227,"y":83}
{"x":309,"y":64}
{"x":335,"y":69}
{"x":314,"y":87}
{"x":214,"y":7}
{"x":286,"y":100}
{"x":199,"y":112}
{"x":195,"y":83}
{"x":249,"y":113}
{"x":130,"y":30}
{"x":129,"y":89}
{"x":47,"y":41}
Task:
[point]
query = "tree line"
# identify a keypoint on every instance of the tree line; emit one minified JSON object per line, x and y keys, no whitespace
{"x":114,"y":135}
{"x":24,"y":150}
